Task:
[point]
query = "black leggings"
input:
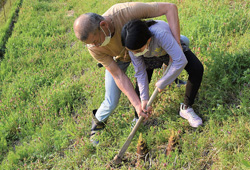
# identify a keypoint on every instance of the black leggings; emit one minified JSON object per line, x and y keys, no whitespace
{"x":195,"y":71}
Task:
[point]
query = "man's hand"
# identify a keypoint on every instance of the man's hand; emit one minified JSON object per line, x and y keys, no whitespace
{"x":144,"y":106}
{"x":141,"y":113}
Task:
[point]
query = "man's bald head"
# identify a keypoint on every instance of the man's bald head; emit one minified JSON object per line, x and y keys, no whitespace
{"x":85,"y":24}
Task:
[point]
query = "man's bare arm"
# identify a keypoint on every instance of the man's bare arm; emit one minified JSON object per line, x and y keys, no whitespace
{"x":171,"y":12}
{"x":125,"y":85}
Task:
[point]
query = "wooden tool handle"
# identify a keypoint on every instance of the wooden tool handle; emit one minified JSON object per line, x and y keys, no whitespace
{"x":118,"y":157}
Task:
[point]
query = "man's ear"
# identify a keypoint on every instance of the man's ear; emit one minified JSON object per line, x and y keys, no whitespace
{"x":103,"y":23}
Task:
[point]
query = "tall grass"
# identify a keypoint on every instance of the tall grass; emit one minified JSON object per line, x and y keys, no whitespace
{"x":49,"y":84}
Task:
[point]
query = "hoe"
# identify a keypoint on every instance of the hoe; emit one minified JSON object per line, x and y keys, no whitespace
{"x":118,"y":157}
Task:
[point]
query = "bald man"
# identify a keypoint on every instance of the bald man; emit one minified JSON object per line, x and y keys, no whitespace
{"x":102,"y":36}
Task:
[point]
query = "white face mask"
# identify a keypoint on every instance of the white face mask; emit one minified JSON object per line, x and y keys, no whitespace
{"x":107,"y":38}
{"x":141,"y":53}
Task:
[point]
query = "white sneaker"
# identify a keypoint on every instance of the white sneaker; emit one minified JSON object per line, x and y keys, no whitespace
{"x":133,"y":123}
{"x":189,"y":114}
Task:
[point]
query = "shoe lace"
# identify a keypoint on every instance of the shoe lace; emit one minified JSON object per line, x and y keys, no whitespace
{"x":192,"y":113}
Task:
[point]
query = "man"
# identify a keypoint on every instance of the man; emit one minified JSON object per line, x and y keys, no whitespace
{"x":102,"y":35}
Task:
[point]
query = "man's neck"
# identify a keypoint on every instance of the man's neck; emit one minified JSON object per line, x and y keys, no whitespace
{"x":110,"y":24}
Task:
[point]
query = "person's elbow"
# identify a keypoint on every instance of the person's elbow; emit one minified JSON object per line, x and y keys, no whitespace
{"x":164,"y":8}
{"x":173,"y":6}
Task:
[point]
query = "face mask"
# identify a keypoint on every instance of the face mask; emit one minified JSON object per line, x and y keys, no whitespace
{"x":107,"y":38}
{"x":141,"y":53}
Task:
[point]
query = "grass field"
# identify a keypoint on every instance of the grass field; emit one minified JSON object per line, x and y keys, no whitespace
{"x":49,"y":85}
{"x":8,"y":15}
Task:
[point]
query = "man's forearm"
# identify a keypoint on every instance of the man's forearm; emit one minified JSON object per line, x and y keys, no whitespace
{"x":173,"y":20}
{"x":125,"y":85}
{"x":127,"y":88}
{"x":171,"y":12}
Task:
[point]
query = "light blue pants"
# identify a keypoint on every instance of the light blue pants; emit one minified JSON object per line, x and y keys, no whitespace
{"x":113,"y":93}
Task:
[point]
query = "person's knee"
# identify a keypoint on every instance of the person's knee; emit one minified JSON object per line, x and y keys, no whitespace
{"x":198,"y":70}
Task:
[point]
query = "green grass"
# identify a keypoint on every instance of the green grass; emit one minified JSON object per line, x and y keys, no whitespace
{"x":8,"y":16}
{"x":49,"y":84}
{"x":5,"y":12}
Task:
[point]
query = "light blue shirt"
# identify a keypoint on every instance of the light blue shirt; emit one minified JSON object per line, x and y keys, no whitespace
{"x":162,"y":42}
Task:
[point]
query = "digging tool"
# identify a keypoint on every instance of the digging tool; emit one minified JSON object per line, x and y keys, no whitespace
{"x":118,"y":157}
